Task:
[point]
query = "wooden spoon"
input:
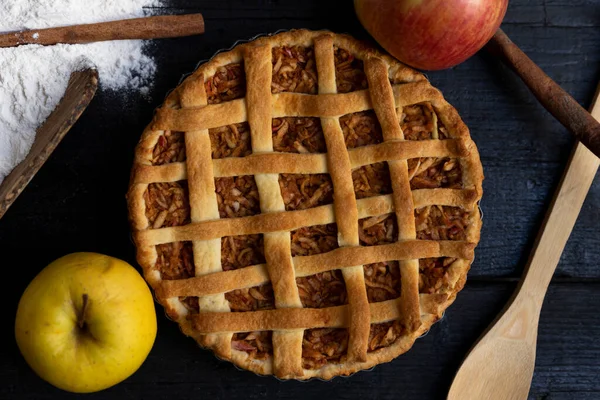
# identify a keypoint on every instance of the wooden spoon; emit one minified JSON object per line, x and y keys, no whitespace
{"x":501,"y":364}
{"x":80,"y":91}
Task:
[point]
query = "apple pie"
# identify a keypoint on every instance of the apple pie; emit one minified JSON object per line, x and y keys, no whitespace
{"x":305,"y":205}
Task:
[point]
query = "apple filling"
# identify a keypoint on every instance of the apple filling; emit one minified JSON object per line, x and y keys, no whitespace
{"x":372,"y":180}
{"x":251,"y":299}
{"x":302,"y":135}
{"x":317,"y":239}
{"x":230,"y":141}
{"x":169,"y":148}
{"x":383,"y":281}
{"x":385,"y":334}
{"x":433,"y":274}
{"x":378,"y":230}
{"x":228,"y":83}
{"x":441,"y":223}
{"x":240,"y":252}
{"x":302,"y":191}
{"x":298,"y":135}
{"x":431,"y":173}
{"x":237,"y":196}
{"x":258,"y":344}
{"x":294,"y":70}
{"x":349,"y":72}
{"x":420,"y":122}
{"x":176,"y":261}
{"x":167,"y":204}
{"x":382,"y":278}
{"x":323,"y":345}
{"x":325,"y":289}
{"x":361,"y":129}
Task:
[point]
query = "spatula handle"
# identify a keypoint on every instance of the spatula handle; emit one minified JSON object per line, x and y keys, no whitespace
{"x":554,"y":98}
{"x":501,"y":363}
{"x":561,"y":216}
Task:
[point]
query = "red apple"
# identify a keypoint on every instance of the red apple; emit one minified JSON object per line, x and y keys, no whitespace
{"x":431,"y":34}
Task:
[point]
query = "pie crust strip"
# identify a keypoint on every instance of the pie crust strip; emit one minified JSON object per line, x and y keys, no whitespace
{"x":384,"y":106}
{"x":291,"y":319}
{"x":291,"y":163}
{"x":291,"y":220}
{"x":203,"y":206}
{"x":290,"y":105}
{"x":224,"y":281}
{"x":345,"y":208}
{"x":287,"y":345}
{"x":215,"y":324}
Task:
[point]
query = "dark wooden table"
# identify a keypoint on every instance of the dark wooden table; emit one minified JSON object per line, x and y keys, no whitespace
{"x":77,"y":203}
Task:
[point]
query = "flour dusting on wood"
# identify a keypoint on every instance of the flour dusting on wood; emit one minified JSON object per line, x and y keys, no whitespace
{"x":33,"y":78}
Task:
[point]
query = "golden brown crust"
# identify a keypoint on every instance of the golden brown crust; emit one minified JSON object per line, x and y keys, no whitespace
{"x":384,"y":106}
{"x":392,"y":86}
{"x":203,"y":204}
{"x":291,"y":163}
{"x":345,"y":209}
{"x":287,"y":346}
{"x":225,"y":281}
{"x":292,"y":104}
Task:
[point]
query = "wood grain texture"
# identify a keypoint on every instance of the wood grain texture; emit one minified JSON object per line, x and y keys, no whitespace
{"x":177,"y":369}
{"x":501,"y":364}
{"x":78,"y":94}
{"x":153,"y":27}
{"x":76,"y":203}
{"x":555,"y":99}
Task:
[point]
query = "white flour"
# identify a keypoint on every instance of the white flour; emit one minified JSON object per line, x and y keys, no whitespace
{"x":34,"y":78}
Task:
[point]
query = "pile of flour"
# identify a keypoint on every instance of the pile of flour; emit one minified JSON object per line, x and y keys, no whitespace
{"x":33,"y":78}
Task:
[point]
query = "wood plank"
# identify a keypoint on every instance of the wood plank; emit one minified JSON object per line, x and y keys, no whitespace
{"x":79,"y":92}
{"x":567,"y":364}
{"x":532,"y":13}
{"x":76,"y":202}
{"x":523,"y":151}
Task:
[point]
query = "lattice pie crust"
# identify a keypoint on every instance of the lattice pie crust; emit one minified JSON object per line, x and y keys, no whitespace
{"x":305,"y":206}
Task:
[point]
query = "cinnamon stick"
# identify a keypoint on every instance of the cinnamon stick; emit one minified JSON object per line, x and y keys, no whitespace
{"x":554,"y":98}
{"x":154,"y":27}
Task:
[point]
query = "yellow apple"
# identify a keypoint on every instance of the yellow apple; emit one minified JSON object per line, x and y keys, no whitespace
{"x":86,"y":322}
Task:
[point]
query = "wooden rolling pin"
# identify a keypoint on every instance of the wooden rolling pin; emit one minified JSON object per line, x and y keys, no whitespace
{"x":554,"y":98}
{"x":154,"y":27}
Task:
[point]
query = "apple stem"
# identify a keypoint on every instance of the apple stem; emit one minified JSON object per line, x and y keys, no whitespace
{"x":81,"y":319}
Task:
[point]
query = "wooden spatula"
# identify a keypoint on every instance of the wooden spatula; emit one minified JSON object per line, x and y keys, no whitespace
{"x":80,"y":91}
{"x":500,"y":365}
